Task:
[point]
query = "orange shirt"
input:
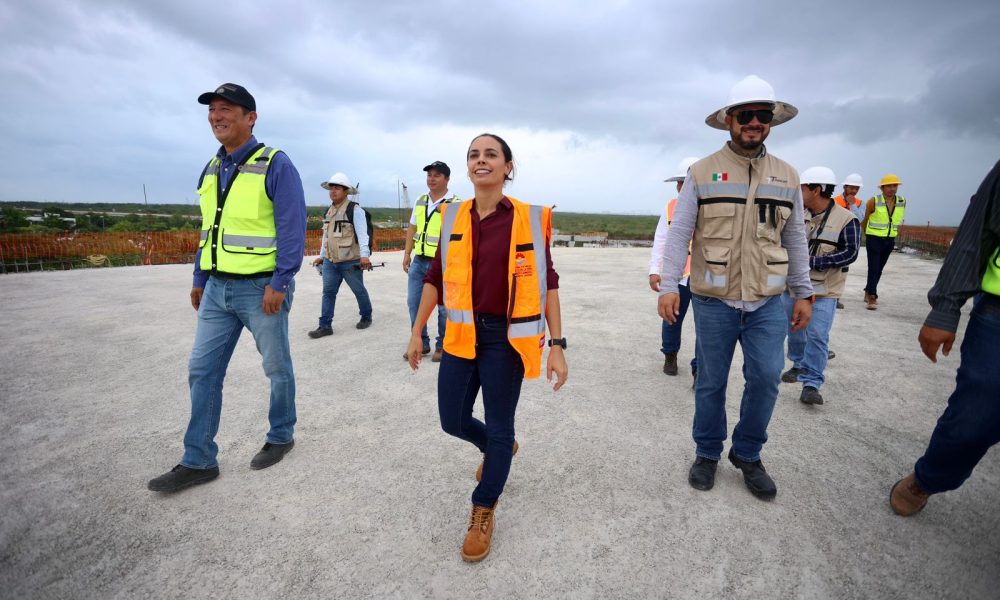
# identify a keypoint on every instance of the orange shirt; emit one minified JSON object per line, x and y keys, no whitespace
{"x":843,"y":203}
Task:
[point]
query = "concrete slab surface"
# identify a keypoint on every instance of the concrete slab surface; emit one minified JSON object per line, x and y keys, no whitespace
{"x":374,"y":500}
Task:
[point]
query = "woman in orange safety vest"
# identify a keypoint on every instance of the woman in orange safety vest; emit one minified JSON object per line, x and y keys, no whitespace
{"x":494,"y":272}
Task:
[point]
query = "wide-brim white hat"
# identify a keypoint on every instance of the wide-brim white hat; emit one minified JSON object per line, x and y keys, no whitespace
{"x":682,"y":169}
{"x":752,"y":90}
{"x":341,"y":180}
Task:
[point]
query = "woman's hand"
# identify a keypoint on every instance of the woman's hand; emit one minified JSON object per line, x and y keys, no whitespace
{"x":557,"y":363}
{"x":415,"y":351}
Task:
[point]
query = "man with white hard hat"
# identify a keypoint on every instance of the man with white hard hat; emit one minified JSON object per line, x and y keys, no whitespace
{"x":883,"y":216}
{"x":741,"y":210}
{"x":670,"y":333}
{"x":849,"y":198}
{"x":834,"y":237}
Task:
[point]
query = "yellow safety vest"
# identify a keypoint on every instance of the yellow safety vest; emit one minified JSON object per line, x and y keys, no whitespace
{"x":991,"y":279}
{"x":237,"y":225}
{"x":879,"y":222}
{"x":428,"y":234}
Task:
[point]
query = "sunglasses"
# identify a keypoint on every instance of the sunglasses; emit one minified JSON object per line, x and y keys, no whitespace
{"x":764,"y":115}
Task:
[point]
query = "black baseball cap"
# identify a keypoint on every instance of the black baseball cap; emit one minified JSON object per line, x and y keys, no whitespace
{"x":237,"y":94}
{"x":440,"y":167}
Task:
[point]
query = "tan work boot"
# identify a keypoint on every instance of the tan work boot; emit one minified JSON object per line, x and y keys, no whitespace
{"x":479,"y":471}
{"x":906,"y":497}
{"x":477,"y":541}
{"x":871,"y":302}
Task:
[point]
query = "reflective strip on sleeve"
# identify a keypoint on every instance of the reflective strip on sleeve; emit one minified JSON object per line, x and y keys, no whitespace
{"x":249,"y":241}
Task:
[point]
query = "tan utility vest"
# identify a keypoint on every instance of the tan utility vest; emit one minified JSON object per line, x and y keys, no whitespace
{"x":823,"y":231}
{"x":341,"y":245}
{"x":743,"y":205}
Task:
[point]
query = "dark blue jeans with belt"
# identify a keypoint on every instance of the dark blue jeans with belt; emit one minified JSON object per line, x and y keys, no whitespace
{"x":970,"y":425}
{"x":497,"y":370}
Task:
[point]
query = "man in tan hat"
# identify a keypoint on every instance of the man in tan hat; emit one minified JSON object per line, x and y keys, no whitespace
{"x":883,"y":216}
{"x":741,"y":209}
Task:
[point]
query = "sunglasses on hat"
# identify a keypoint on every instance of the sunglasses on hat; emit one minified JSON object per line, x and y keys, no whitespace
{"x":764,"y":115}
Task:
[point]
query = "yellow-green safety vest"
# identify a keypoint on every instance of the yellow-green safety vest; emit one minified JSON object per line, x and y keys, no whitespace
{"x":879,"y":223}
{"x":237,"y":225}
{"x":428,"y":235}
{"x":991,"y":279}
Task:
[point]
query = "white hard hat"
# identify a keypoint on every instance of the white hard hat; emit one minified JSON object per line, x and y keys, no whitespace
{"x":820,"y":175}
{"x":340,"y":179}
{"x":682,"y":169}
{"x":853,"y":179}
{"x":752,"y":90}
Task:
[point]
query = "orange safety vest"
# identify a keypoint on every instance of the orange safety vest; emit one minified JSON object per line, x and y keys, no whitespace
{"x":526,"y":284}
{"x":670,"y":217}
{"x":843,"y":203}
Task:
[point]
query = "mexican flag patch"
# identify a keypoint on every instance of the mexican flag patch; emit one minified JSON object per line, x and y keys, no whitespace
{"x":720,"y":176}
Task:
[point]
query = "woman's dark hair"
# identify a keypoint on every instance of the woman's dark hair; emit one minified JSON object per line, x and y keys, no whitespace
{"x":508,"y":156}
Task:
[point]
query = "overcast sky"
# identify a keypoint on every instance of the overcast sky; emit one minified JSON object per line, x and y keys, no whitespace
{"x":599,"y":100}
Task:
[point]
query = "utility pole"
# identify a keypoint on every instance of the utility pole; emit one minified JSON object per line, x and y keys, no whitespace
{"x":144,"y":199}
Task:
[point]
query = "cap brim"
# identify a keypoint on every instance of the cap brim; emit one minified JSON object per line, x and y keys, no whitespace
{"x":350,"y":190}
{"x":783,"y":112}
{"x":675,"y":178}
{"x":207,"y":97}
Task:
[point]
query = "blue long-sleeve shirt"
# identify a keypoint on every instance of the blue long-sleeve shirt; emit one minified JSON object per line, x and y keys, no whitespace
{"x":284,"y":187}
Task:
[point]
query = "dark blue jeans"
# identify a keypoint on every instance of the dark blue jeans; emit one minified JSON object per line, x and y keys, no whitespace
{"x":671,"y":334}
{"x":498,"y":370}
{"x":878,"y":250}
{"x":970,"y":425}
{"x":333,"y":275}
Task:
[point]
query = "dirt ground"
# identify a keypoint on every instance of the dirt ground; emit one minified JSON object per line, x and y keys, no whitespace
{"x":374,"y":500}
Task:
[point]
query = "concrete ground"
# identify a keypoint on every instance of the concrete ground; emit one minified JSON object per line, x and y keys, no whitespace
{"x":374,"y":500}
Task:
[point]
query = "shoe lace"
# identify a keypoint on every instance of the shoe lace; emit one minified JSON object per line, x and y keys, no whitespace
{"x":480,"y":518}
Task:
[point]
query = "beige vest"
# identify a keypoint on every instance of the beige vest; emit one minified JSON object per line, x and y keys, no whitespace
{"x":823,"y":238}
{"x":743,"y":205}
{"x":340,"y":243}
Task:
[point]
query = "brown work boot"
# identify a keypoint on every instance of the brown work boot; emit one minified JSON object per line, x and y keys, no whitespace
{"x":670,"y":363}
{"x":479,"y":471}
{"x":477,"y":541}
{"x":872,"y":303}
{"x":906,"y":497}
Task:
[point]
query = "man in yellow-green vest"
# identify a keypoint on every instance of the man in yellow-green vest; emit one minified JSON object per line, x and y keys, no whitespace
{"x":970,"y":424}
{"x":252,"y":240}
{"x":422,"y":238}
{"x":883,"y":216}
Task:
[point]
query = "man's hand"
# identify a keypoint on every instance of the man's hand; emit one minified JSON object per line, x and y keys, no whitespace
{"x":669,"y":307}
{"x":366,"y":264}
{"x":931,"y":338}
{"x":654,"y":282}
{"x":196,"y":294}
{"x":557,"y":363}
{"x":318,"y":261}
{"x":801,"y":313}
{"x":406,"y":263}
{"x":272,"y":300}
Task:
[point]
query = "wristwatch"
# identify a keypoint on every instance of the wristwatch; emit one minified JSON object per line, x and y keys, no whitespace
{"x":558,"y":342}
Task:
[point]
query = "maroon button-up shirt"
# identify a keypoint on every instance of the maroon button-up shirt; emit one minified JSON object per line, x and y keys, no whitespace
{"x":491,"y":261}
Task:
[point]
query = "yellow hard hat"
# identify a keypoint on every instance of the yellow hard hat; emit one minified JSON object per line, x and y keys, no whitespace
{"x":890,"y":179}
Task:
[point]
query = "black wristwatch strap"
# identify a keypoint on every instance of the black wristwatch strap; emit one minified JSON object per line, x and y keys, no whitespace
{"x":558,"y":342}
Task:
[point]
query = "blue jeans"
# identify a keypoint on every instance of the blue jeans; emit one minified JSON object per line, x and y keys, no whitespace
{"x":333,"y":275}
{"x":808,"y":349}
{"x":227,"y":306}
{"x":761,"y":334}
{"x":671,"y":334}
{"x":878,"y":250}
{"x":414,"y":289}
{"x":970,"y":425}
{"x":498,"y":370}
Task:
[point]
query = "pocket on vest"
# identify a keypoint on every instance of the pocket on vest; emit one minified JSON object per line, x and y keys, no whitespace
{"x":718,"y":220}
{"x":777,"y":270}
{"x":716,"y":266}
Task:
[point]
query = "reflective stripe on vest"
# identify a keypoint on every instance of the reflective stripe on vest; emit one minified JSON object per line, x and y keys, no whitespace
{"x":991,"y":278}
{"x":241,"y":238}
{"x":879,"y":222}
{"x":527,"y":285}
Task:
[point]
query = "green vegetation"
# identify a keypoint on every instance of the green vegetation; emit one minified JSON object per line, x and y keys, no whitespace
{"x":619,"y":227}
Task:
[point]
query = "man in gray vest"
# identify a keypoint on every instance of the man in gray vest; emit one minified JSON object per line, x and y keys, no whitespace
{"x":741,"y":210}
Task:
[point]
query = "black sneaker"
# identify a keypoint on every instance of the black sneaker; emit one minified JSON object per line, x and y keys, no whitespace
{"x":792,"y":375}
{"x":270,"y":454}
{"x":702,"y":473}
{"x":810,"y":395}
{"x":364,"y":324}
{"x":181,"y":477}
{"x":830,"y":355}
{"x":320,"y":332}
{"x":694,"y":379}
{"x":670,"y":363}
{"x":755,"y":477}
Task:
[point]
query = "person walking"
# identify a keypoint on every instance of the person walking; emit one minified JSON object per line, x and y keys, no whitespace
{"x":670,"y":334}
{"x":344,"y":254}
{"x":422,"y":240}
{"x":970,"y":424}
{"x":252,"y":239}
{"x":834,"y":237}
{"x":883,"y":216}
{"x":741,"y":211}
{"x":494,"y":272}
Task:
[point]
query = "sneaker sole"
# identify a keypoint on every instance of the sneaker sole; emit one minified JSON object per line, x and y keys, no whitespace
{"x":183,"y":486}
